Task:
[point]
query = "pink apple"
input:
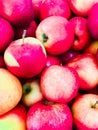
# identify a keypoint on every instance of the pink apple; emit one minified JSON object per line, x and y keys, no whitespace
{"x":85,"y":112}
{"x":54,"y":8}
{"x":6,"y":34}
{"x":93,"y":21}
{"x":31,"y":92}
{"x":81,"y":32}
{"x":36,"y":7}
{"x":59,"y":83}
{"x":19,"y":13}
{"x":87,"y":69}
{"x":53,"y":116}
{"x":56,"y":34}
{"x":15,"y":119}
{"x":81,"y":7}
{"x":30,"y":30}
{"x":25,"y":57}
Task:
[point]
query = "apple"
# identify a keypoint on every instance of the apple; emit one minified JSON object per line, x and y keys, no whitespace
{"x":59,"y":83}
{"x":10,"y":91}
{"x":81,"y":7}
{"x":15,"y":119}
{"x":93,"y":21}
{"x":85,"y":112}
{"x":53,"y":60}
{"x":49,"y":116}
{"x":67,"y":56}
{"x":31,"y":92}
{"x":30,"y":30}
{"x":25,"y":57}
{"x":54,"y":8}
{"x":92,"y":47}
{"x":36,"y":7}
{"x":6,"y":34}
{"x":87,"y":69}
{"x":56,"y":34}
{"x":81,"y":33}
{"x":97,"y":55}
{"x":19,"y":13}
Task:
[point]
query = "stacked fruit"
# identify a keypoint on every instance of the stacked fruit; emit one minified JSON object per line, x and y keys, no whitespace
{"x":48,"y":65}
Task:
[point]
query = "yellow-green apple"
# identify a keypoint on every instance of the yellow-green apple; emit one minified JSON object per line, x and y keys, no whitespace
{"x":31,"y":92}
{"x":49,"y":116}
{"x":25,"y":57}
{"x":19,"y":13}
{"x":87,"y":69}
{"x":54,"y":8}
{"x":10,"y":91}
{"x":81,"y":33}
{"x":92,"y":47}
{"x":36,"y":7}
{"x":85,"y":112}
{"x":30,"y":30}
{"x":93,"y":21}
{"x":59,"y":83}
{"x":6,"y":34}
{"x":81,"y":7}
{"x":67,"y":56}
{"x":15,"y":119}
{"x":56,"y":34}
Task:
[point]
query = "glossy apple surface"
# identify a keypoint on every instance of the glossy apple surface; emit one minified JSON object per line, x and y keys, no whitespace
{"x":49,"y":117}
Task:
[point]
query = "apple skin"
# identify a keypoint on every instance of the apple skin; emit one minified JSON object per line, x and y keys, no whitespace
{"x":19,"y":13}
{"x":54,"y":8}
{"x":31,"y":92}
{"x":81,"y":7}
{"x":93,"y":21}
{"x":15,"y":119}
{"x":85,"y":112}
{"x":59,"y":83}
{"x":6,"y":34}
{"x":55,"y":116}
{"x":81,"y":32}
{"x":87,"y":69}
{"x":25,"y":57}
{"x":55,"y":40}
{"x":30,"y":30}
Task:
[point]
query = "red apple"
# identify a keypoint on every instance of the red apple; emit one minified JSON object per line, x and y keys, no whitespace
{"x":56,"y":34}
{"x":54,"y":8}
{"x":59,"y":83}
{"x":6,"y":34}
{"x":81,"y":7}
{"x":54,"y":116}
{"x":31,"y":92}
{"x":30,"y":30}
{"x":15,"y":119}
{"x":93,"y":21}
{"x":19,"y":13}
{"x":36,"y":7}
{"x":85,"y":112}
{"x":87,"y":69}
{"x":25,"y":57}
{"x":81,"y":33}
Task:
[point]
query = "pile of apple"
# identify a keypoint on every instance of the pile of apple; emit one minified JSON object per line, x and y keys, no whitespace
{"x":49,"y":65}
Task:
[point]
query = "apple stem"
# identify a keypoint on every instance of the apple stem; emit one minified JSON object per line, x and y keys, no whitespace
{"x":26,"y":88}
{"x":45,"y":38}
{"x":24,"y":34}
{"x":94,"y":105}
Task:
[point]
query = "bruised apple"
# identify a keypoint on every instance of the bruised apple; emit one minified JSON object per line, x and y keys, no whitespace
{"x":49,"y":116}
{"x":25,"y":57}
{"x":59,"y":83}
